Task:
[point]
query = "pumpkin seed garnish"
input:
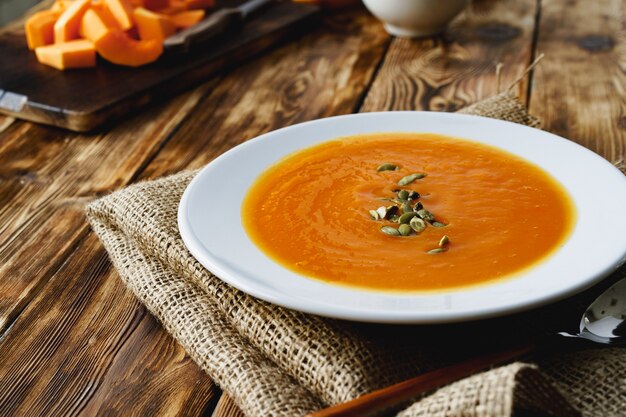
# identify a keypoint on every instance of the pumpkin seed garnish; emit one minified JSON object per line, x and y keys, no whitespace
{"x":426,"y":215}
{"x":387,"y":167}
{"x":410,"y":178}
{"x":404,"y":229}
{"x":417,"y":224}
{"x":436,"y":251}
{"x":414,"y":195}
{"x":406,"y":217}
{"x":391,"y":211}
{"x":391,"y":231}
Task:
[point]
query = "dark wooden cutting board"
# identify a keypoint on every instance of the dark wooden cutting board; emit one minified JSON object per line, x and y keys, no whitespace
{"x":81,"y":100}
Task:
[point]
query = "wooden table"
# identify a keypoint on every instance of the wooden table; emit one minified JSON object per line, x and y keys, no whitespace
{"x":74,"y":341}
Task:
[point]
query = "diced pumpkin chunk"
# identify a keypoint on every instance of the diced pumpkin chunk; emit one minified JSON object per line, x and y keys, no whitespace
{"x":67,"y":26}
{"x":122,"y":11}
{"x":117,"y":47}
{"x":40,"y":28}
{"x":151,"y":25}
{"x":187,"y":19}
{"x":199,"y":4}
{"x":105,"y":14}
{"x":96,"y":22}
{"x":72,"y":54}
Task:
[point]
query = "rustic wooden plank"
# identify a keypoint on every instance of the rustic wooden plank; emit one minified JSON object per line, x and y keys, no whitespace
{"x":320,"y":75}
{"x":49,"y":174}
{"x":91,"y":349}
{"x":579,"y":89}
{"x":457,"y":68}
{"x":46,"y":176}
{"x":226,"y":408}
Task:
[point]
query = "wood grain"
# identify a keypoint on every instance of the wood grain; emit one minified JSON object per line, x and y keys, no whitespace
{"x":226,"y":408}
{"x":46,"y":176}
{"x":97,"y":351}
{"x":320,"y":75}
{"x":49,"y":302}
{"x":579,"y":90}
{"x":457,"y":68}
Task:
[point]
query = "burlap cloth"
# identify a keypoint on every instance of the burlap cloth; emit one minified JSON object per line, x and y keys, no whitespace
{"x":276,"y":362}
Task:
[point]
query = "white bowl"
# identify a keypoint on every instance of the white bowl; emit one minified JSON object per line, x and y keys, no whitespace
{"x":415,"y":18}
{"x":209,"y":220}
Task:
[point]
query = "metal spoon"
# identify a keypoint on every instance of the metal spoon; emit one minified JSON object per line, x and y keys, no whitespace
{"x":603,"y":322}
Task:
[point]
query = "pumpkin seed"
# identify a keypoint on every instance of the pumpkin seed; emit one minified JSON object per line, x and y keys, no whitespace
{"x":391,"y":211}
{"x":426,"y":215}
{"x":414,"y":195}
{"x":444,"y":241}
{"x":406,"y":217}
{"x":391,"y":231}
{"x":374,"y":215}
{"x":410,"y":178}
{"x":436,"y":251}
{"x":382,"y":211}
{"x":417,"y":224}
{"x":394,"y":218}
{"x":406,"y":207}
{"x":387,"y":167}
{"x":404,"y":229}
{"x":418,"y":206}
{"x":403,"y":195}
{"x":438,"y":224}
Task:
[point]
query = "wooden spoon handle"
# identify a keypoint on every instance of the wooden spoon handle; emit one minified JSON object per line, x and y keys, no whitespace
{"x":382,"y":400}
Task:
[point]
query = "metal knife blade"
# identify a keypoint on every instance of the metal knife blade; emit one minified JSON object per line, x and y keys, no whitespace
{"x":217,"y":23}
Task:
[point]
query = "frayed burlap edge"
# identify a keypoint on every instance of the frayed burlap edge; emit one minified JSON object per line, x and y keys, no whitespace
{"x":518,"y":387}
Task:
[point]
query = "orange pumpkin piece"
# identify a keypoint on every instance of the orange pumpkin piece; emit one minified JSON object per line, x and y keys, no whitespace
{"x":117,"y":47}
{"x":40,"y":28}
{"x":199,"y":4}
{"x":153,"y":25}
{"x":59,"y":6}
{"x":96,"y":22}
{"x":122,"y":11}
{"x":105,"y":14}
{"x":187,"y":19}
{"x":72,"y":54}
{"x":67,"y":26}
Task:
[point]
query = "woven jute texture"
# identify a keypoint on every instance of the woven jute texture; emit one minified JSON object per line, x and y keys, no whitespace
{"x":277,"y":362}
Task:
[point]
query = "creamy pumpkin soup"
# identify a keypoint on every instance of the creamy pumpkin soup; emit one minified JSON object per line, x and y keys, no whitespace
{"x":406,"y":212}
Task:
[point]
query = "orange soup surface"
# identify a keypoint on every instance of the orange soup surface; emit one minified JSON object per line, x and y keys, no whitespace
{"x":310,"y":212}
